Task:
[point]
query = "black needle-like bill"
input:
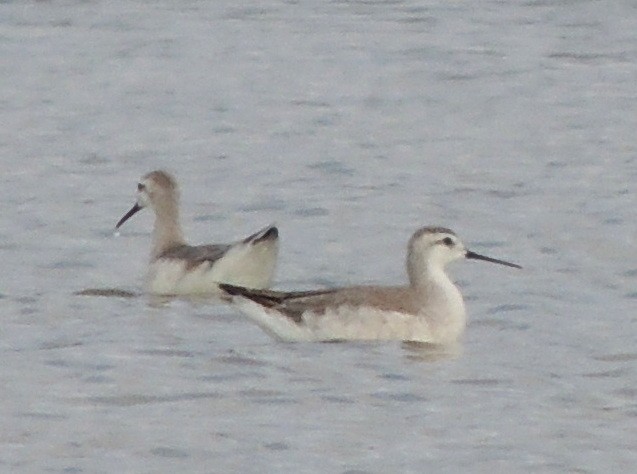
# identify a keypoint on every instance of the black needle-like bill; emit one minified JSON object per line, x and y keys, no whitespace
{"x":134,"y":210}
{"x":477,"y":256}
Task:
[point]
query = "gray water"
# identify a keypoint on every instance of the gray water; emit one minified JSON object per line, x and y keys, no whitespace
{"x":349,"y":124}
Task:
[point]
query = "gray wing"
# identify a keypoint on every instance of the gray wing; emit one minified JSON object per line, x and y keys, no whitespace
{"x":294,"y":304}
{"x":197,"y":255}
{"x":289,"y":303}
{"x":271,"y":297}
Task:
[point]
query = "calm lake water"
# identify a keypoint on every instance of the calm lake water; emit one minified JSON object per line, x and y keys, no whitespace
{"x":349,"y":124}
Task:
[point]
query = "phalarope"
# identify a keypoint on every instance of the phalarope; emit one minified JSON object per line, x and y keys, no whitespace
{"x":177,"y":268}
{"x":430,"y":309}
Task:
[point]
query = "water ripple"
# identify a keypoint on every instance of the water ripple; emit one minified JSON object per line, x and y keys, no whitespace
{"x":140,"y":399}
{"x":621,"y":357}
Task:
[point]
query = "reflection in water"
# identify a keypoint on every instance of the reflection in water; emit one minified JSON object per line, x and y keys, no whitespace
{"x":108,"y":292}
{"x":153,"y":300}
{"x":127,"y":400}
{"x":424,"y":352}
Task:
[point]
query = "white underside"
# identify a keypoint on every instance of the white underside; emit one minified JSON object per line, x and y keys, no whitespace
{"x":247,"y":265}
{"x":346,"y":323}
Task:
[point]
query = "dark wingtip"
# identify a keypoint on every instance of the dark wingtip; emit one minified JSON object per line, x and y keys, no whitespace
{"x":272,"y":233}
{"x":231,"y":289}
{"x":263,"y":297}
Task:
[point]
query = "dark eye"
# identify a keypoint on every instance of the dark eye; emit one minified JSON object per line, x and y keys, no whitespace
{"x":140,"y":187}
{"x":448,"y":241}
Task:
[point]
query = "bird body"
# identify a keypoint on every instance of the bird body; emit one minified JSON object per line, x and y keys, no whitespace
{"x":177,"y":268}
{"x":429,"y":309}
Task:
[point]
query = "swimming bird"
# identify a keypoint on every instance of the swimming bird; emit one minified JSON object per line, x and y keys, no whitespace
{"x":177,"y":268}
{"x":429,"y":309}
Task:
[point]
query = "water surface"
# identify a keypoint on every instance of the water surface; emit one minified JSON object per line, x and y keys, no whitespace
{"x":350,"y":124}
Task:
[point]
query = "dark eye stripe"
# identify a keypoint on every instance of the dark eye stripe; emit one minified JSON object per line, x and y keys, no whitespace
{"x":140,"y":187}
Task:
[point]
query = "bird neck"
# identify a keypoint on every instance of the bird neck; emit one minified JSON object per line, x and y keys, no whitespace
{"x":441,"y":298}
{"x":429,"y":277}
{"x":422,"y":273}
{"x":167,"y":231}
